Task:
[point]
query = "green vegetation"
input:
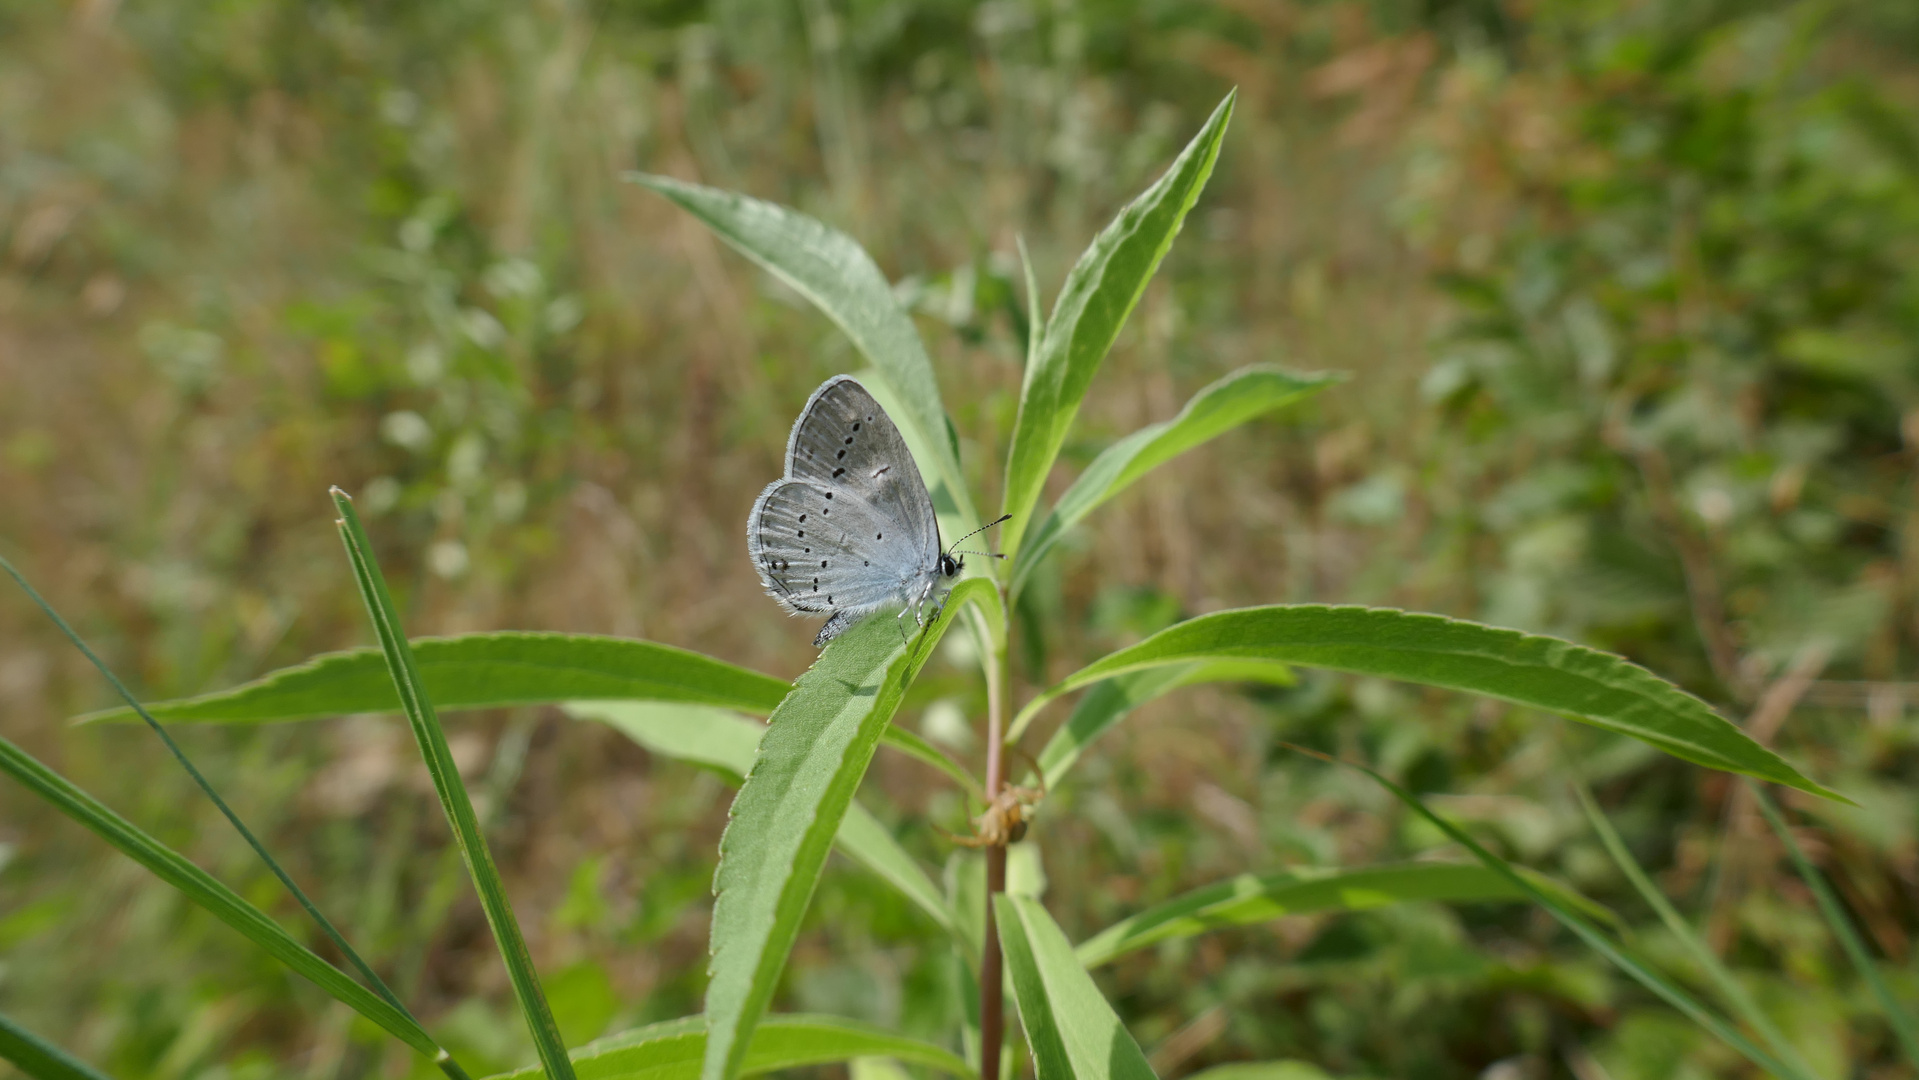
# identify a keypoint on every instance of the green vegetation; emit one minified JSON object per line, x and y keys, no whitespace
{"x":1613,"y":307}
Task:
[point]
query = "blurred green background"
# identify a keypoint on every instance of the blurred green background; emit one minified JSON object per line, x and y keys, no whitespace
{"x":1629,"y":295}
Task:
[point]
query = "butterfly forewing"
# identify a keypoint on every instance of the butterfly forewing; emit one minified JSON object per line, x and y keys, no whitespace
{"x":844,"y":442}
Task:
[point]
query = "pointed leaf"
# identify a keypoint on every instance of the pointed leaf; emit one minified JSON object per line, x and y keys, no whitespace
{"x":672,"y":1050}
{"x":816,"y":749}
{"x":203,"y":889}
{"x":1070,"y":1028}
{"x":1098,"y":296}
{"x":832,"y":270}
{"x":1258,"y":898}
{"x":1585,"y":684}
{"x":1226,"y":404}
{"x":480,"y":671}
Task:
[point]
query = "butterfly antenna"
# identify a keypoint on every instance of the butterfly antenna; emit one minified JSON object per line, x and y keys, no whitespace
{"x":955,"y":548}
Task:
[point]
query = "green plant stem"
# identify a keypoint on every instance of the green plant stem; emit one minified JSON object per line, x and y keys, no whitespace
{"x":1901,"y":1021}
{"x":378,"y":985}
{"x":992,"y":1007}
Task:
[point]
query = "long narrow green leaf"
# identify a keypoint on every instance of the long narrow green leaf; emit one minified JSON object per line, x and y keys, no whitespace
{"x":1257,"y":898}
{"x":726,"y":743}
{"x":1904,"y":1027}
{"x":1625,"y":960}
{"x":672,"y":1050}
{"x":1098,"y":296}
{"x":816,"y":749}
{"x":39,"y":1058}
{"x":833,"y":271}
{"x":203,"y":889}
{"x":1226,"y":404}
{"x":1070,"y":1028}
{"x":1585,"y":684}
{"x":452,"y":792}
{"x":482,"y":671}
{"x":1110,"y":701}
{"x":1734,"y":995}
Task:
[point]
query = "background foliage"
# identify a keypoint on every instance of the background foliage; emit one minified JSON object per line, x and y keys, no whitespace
{"x":1626,"y":292}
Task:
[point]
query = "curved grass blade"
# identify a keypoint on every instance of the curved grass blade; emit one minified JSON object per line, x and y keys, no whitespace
{"x":1070,"y":1028}
{"x":1904,"y":1028}
{"x":1109,"y":702}
{"x":1226,"y":404}
{"x":440,"y":1056}
{"x":1625,"y":960}
{"x":480,"y":671}
{"x":1584,"y":684}
{"x":40,"y":1059}
{"x":816,"y":750}
{"x":726,"y":743}
{"x":672,"y":1050}
{"x":205,"y":890}
{"x":1093,"y":304}
{"x":1258,"y":898}
{"x":1733,"y":994}
{"x":452,"y":792}
{"x":832,"y":270}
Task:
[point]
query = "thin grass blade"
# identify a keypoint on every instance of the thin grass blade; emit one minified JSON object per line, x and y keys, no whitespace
{"x":452,"y":792}
{"x":1904,"y":1027}
{"x":203,"y":889}
{"x":39,"y":1058}
{"x":1729,"y":989}
{"x":1641,"y":971}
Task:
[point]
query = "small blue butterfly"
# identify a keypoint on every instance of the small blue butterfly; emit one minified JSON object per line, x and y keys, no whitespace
{"x":850,"y":529}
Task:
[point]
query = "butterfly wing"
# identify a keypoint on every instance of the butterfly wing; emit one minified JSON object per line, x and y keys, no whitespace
{"x":820,"y":550}
{"x":844,"y":442}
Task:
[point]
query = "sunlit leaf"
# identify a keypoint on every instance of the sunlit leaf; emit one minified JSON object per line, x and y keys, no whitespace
{"x":1585,"y":684}
{"x":1071,"y":1030}
{"x":1226,"y":404}
{"x":1098,"y":296}
{"x":673,"y":1050}
{"x":833,"y":271}
{"x":815,"y":751}
{"x":479,"y":671}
